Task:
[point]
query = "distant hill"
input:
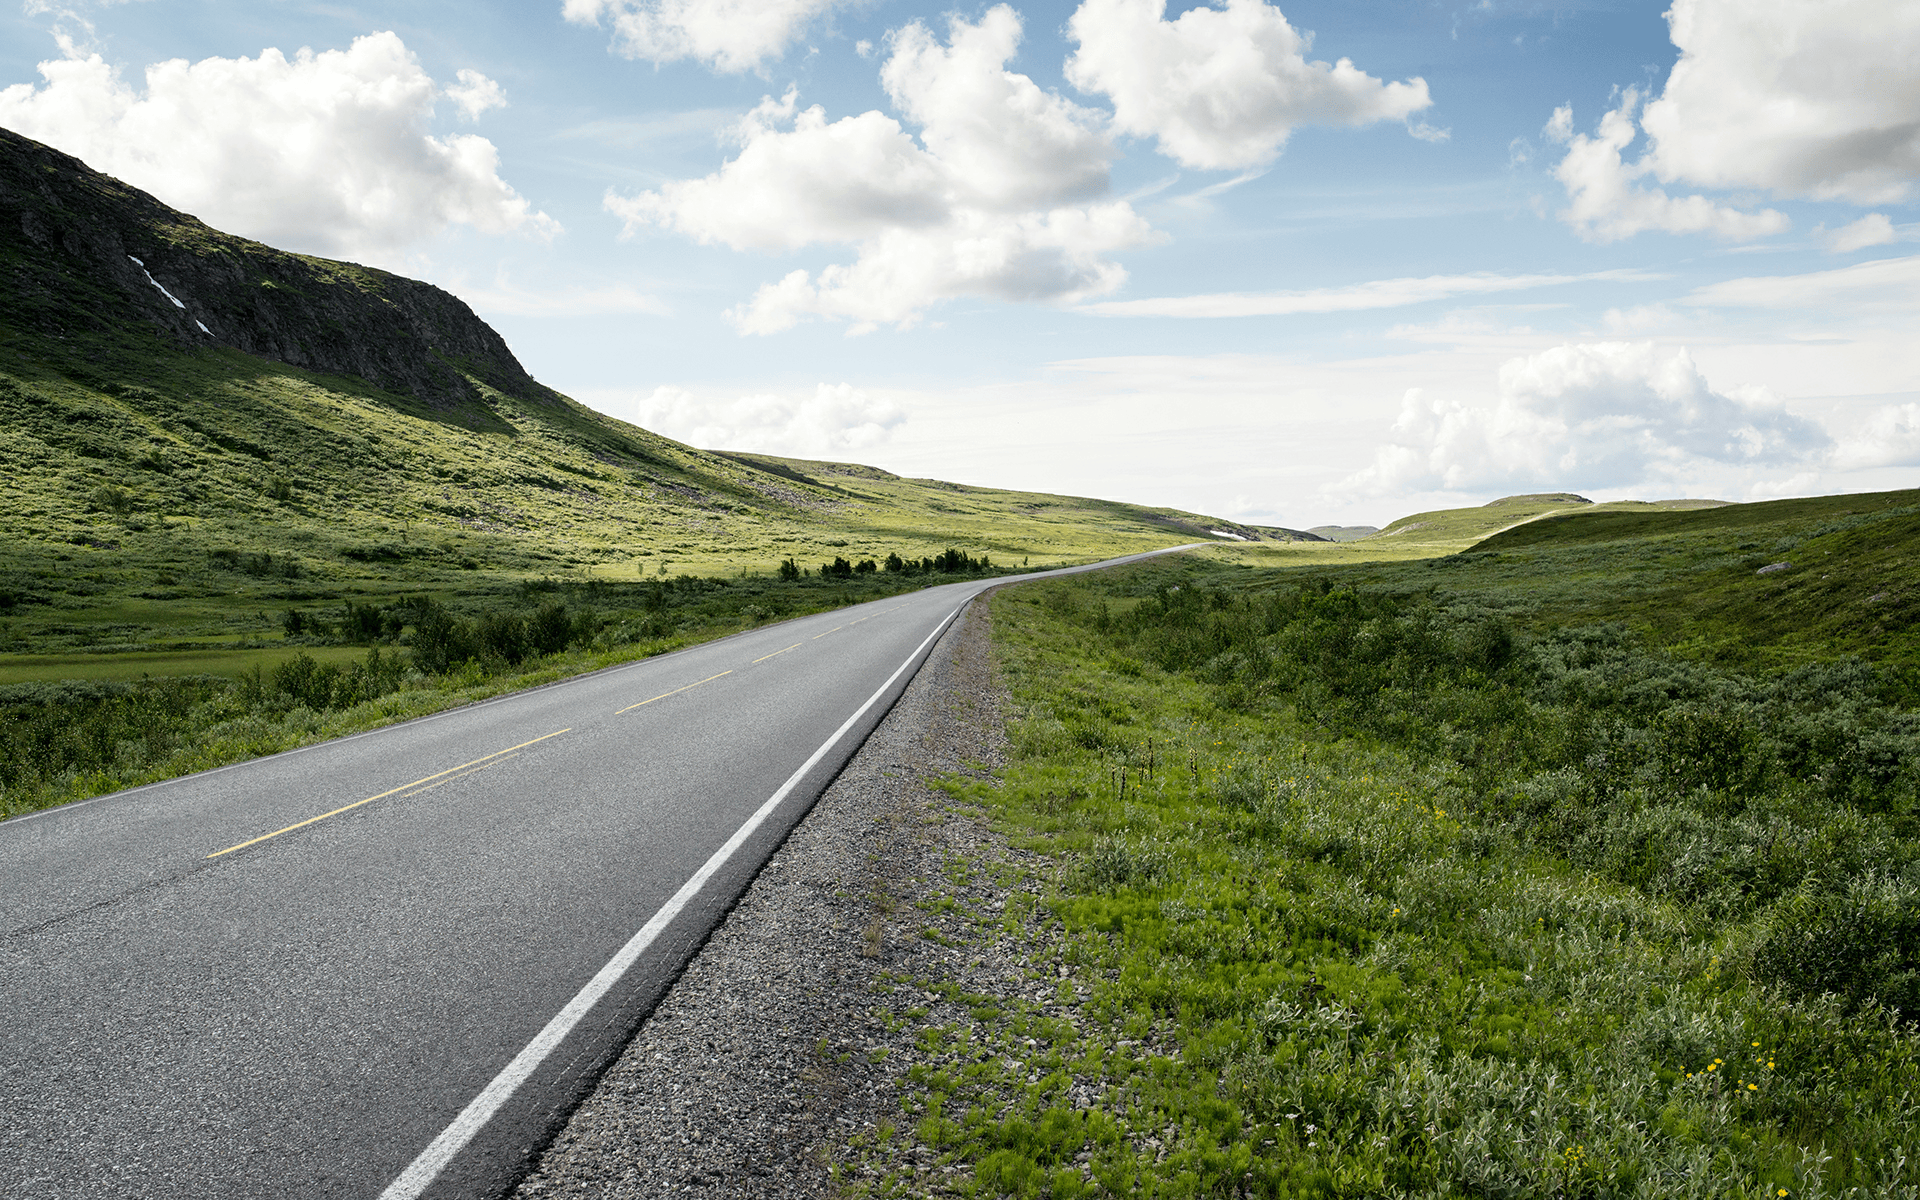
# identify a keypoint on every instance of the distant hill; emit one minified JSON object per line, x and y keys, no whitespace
{"x":197,"y":431}
{"x":1767,"y":582}
{"x":1343,"y":533}
{"x":1453,"y":525}
{"x":1278,"y":533}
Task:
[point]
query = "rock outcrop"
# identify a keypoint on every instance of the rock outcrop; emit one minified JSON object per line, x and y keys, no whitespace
{"x":82,"y":253}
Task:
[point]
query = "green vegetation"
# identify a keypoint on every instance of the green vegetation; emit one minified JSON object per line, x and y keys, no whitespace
{"x":172,"y":514}
{"x":339,"y":670}
{"x":1748,"y":586}
{"x":1463,"y":877}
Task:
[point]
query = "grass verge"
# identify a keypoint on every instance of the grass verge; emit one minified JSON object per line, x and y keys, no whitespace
{"x":1354,"y":892}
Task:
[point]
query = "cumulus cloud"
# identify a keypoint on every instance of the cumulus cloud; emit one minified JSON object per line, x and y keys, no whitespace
{"x":1874,"y":229}
{"x":1812,"y":99}
{"x":1585,"y":417}
{"x":833,"y":420}
{"x":997,"y":197}
{"x":1815,"y":98}
{"x":475,"y":94}
{"x":1222,"y":87}
{"x":1605,"y":203}
{"x":727,"y":35}
{"x":1354,"y":297}
{"x":1016,"y":146}
{"x":324,"y":152}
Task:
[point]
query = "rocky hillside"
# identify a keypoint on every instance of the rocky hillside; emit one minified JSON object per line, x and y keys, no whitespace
{"x":85,"y":254}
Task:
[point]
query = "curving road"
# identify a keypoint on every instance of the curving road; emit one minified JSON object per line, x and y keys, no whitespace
{"x":389,"y":965}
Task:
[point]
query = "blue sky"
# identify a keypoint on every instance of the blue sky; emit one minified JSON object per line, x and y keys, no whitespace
{"x":1299,"y":264}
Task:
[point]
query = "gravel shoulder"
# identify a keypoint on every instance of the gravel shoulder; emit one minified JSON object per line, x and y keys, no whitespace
{"x":777,"y":1064}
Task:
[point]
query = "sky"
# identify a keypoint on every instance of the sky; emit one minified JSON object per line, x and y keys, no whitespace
{"x":1315,"y":263}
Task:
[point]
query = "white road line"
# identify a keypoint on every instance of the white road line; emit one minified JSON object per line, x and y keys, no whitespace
{"x":455,"y":1137}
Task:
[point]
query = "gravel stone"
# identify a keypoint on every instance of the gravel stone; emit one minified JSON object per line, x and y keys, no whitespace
{"x":771,"y":1062}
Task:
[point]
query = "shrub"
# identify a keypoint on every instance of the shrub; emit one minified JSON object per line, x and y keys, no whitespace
{"x":503,"y":636}
{"x":1860,"y":944}
{"x":553,"y":629}
{"x":440,"y":640}
{"x":364,"y":623}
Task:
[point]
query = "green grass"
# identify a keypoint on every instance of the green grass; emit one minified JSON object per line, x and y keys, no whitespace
{"x":1455,"y":878}
{"x":1685,"y":580}
{"x":27,"y":668}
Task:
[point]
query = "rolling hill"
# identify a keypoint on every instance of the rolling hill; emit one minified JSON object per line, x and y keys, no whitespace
{"x":196,"y":429}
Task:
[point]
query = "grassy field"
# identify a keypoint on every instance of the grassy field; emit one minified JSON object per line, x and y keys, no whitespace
{"x":225,"y":661}
{"x":1461,"y":876}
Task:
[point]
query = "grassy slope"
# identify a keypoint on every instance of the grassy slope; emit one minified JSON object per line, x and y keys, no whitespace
{"x":1686,"y":578}
{"x":148,"y":489}
{"x":1358,"y":943}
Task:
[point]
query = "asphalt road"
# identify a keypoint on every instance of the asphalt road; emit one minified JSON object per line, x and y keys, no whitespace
{"x":389,"y":966}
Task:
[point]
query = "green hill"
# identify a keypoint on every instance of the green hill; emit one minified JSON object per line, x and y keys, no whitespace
{"x":1451,"y":526}
{"x":199,"y":432}
{"x":1781,"y":580}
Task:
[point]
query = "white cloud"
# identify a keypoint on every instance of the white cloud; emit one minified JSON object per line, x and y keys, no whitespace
{"x":1889,"y":437}
{"x":1586,"y":417}
{"x":505,"y":298}
{"x":1605,"y":204}
{"x":1221,"y":87}
{"x":324,"y":152}
{"x":1013,"y":146}
{"x":812,"y":182}
{"x":475,"y":94}
{"x":1874,"y":229}
{"x":834,"y":420}
{"x":1640,"y":318}
{"x":1379,"y":293}
{"x":1816,"y":98}
{"x":1057,"y":256}
{"x":727,"y":35}
{"x":1886,"y":284}
{"x":997,"y":198}
{"x":1801,"y":98}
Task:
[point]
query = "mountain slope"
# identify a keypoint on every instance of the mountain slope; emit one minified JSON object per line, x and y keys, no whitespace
{"x":88,"y":257}
{"x":196,"y":429}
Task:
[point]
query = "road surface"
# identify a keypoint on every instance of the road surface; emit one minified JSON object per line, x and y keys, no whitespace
{"x":389,"y":965}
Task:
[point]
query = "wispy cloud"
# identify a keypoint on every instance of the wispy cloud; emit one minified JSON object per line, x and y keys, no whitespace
{"x":1353,"y":297}
{"x":1881,"y":283}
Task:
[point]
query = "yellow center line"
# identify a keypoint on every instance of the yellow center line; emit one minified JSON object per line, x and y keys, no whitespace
{"x":390,"y":791}
{"x":778,"y":653}
{"x":462,"y":775}
{"x":674,"y":692}
{"x":835,"y":629}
